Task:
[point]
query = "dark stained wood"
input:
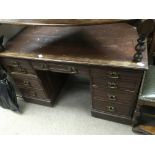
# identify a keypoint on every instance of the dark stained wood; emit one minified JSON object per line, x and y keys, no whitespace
{"x":103,"y":45}
{"x":114,"y":90}
{"x":119,"y":97}
{"x":35,"y":86}
{"x":104,"y":52}
{"x":17,"y":65}
{"x":111,"y":117}
{"x":58,"y":22}
{"x":46,"y":102}
{"x":112,"y":108}
{"x":27,"y":81}
{"x":116,"y":84}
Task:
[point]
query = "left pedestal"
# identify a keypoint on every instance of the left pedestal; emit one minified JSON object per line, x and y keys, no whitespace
{"x":41,"y":87}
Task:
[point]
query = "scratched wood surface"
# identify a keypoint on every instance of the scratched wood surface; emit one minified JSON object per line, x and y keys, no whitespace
{"x":104,"y":45}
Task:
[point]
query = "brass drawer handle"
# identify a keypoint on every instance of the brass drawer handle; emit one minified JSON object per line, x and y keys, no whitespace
{"x":112,"y":85}
{"x":15,"y":63}
{"x":114,"y":75}
{"x":23,"y":70}
{"x":34,"y":94}
{"x":44,"y":66}
{"x":74,"y":70}
{"x":27,"y":83}
{"x":112,"y":97}
{"x":111,"y":108}
{"x":94,"y":85}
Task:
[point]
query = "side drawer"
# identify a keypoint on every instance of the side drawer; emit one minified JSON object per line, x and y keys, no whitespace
{"x":116,"y":74}
{"x":17,"y":65}
{"x":112,"y":108}
{"x":114,"y":96}
{"x":117,"y":85}
{"x":36,"y":94}
{"x":27,"y":81}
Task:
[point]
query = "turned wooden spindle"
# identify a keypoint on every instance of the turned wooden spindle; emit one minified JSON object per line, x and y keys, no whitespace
{"x":144,"y":28}
{"x":1,"y":43}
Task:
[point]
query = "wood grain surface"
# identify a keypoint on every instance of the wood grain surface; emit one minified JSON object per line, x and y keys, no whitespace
{"x":104,"y":45}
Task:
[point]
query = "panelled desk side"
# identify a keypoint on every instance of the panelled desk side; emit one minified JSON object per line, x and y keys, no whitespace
{"x":37,"y":57}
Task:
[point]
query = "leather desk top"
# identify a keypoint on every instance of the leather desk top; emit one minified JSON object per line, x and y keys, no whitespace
{"x":103,"y":45}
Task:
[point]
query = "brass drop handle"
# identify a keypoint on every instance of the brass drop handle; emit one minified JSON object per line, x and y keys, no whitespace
{"x":15,"y":64}
{"x":112,"y":97}
{"x":112,"y":85}
{"x":94,"y":85}
{"x":27,"y":83}
{"x":74,"y":70}
{"x":110,"y":108}
{"x":23,"y":70}
{"x":44,"y":66}
{"x":34,"y":94}
{"x":113,"y":75}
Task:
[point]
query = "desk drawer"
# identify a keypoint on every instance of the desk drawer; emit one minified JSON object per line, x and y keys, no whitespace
{"x":109,"y":73}
{"x":116,"y":79}
{"x":17,"y":65}
{"x":64,"y":68}
{"x":130,"y":86}
{"x":121,"y":97}
{"x":112,"y":108}
{"x":55,"y":67}
{"x":26,"y":81}
{"x":33,"y":93}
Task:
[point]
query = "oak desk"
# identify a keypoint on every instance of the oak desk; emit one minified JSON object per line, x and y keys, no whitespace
{"x":40,"y":58}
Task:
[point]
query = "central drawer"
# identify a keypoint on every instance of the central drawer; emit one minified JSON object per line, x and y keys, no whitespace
{"x":55,"y":67}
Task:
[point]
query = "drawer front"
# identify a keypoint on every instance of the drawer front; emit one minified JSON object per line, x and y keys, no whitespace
{"x":36,"y":94}
{"x":63,"y":68}
{"x":116,"y":79}
{"x":16,"y":65}
{"x":27,"y":81}
{"x":121,"y":97}
{"x":112,"y":108}
{"x":116,"y":74}
{"x":130,"y":86}
{"x":55,"y":67}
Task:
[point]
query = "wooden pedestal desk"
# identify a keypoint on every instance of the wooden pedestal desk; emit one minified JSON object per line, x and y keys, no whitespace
{"x":40,"y":57}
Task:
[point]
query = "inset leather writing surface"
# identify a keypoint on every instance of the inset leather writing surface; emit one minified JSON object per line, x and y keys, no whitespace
{"x":112,"y":44}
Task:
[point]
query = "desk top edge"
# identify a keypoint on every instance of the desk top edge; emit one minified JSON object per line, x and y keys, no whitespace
{"x":121,"y":64}
{"x":61,"y":22}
